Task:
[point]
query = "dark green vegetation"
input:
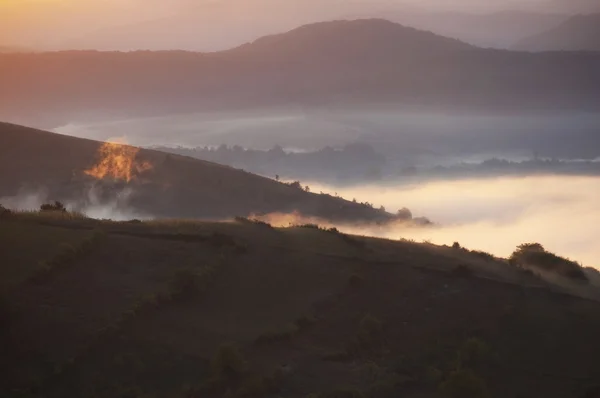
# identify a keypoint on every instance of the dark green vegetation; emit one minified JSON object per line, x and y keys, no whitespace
{"x":33,"y":160}
{"x":339,"y":63}
{"x":533,"y":256}
{"x":241,"y":309}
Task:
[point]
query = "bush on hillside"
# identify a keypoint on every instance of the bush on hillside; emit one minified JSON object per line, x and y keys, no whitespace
{"x":355,"y":280}
{"x":341,"y":393}
{"x":4,"y":211}
{"x":56,"y":206}
{"x":535,"y":255}
{"x":228,"y":363}
{"x":252,"y":221}
{"x":5,"y":313}
{"x":185,"y":284}
{"x":464,"y":384}
{"x":462,"y":271}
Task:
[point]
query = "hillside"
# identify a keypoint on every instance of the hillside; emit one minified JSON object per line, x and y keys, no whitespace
{"x":375,"y":62}
{"x":107,"y":309}
{"x":579,"y":33}
{"x":52,"y":166}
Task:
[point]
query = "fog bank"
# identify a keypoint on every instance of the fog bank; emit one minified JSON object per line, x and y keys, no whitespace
{"x":496,"y":215}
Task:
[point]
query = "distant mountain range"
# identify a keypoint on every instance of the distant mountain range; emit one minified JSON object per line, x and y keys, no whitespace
{"x":579,"y":33}
{"x":213,"y":27}
{"x":341,"y":63}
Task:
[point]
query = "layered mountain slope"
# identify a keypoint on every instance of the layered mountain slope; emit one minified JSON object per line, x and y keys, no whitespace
{"x":53,"y":167}
{"x":341,"y":63}
{"x":579,"y":33}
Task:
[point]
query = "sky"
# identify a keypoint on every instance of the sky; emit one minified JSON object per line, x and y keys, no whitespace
{"x":49,"y":24}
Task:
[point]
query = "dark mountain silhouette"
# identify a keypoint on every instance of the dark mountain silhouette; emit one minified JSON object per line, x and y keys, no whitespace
{"x":341,"y":63}
{"x":212,"y":26}
{"x":579,"y":33}
{"x":38,"y":162}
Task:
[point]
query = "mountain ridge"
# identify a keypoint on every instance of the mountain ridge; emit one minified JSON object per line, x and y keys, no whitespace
{"x":378,"y":63}
{"x":578,"y":33}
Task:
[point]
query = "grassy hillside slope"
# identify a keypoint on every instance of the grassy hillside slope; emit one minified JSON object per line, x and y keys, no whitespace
{"x":34,"y":161}
{"x":198,"y":309}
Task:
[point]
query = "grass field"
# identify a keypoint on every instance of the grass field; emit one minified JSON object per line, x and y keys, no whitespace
{"x":239,"y":309}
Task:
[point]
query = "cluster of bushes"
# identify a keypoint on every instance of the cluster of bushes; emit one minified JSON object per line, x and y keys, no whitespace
{"x":5,"y":313}
{"x":461,"y":381}
{"x":333,"y":230}
{"x":368,"y":339}
{"x":231,"y":377}
{"x":56,"y":206}
{"x":298,"y":185}
{"x":462,"y":271}
{"x":535,"y":255}
{"x":288,"y":332}
{"x":67,"y":256}
{"x":4,"y":211}
{"x":253,"y":221}
{"x":221,"y":241}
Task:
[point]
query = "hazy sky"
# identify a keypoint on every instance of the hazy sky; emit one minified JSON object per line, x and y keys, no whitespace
{"x":50,"y":23}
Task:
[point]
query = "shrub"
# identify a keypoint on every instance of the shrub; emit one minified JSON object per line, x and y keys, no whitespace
{"x":252,"y":221}
{"x":185,"y":284}
{"x":464,"y":384}
{"x":309,"y":226}
{"x":281,"y":335}
{"x":5,"y":313}
{"x":473,"y":351}
{"x":534,"y":255}
{"x":483,"y":255}
{"x":56,"y":206}
{"x":228,"y":363}
{"x":355,"y":280}
{"x":258,"y":386}
{"x":4,"y":211}
{"x":462,"y":271}
{"x":304,"y":322}
{"x":342,"y":393}
{"x":370,"y":330}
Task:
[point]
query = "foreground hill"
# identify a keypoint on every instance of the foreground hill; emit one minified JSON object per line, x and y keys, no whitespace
{"x":340,"y":63}
{"x":579,"y":33}
{"x":184,"y":309}
{"x":53,"y":167}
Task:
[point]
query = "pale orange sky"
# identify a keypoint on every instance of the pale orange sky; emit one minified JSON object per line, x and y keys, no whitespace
{"x":52,"y":24}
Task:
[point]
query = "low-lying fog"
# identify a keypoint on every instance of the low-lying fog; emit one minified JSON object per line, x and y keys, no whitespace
{"x":496,"y":215}
{"x":389,"y":131}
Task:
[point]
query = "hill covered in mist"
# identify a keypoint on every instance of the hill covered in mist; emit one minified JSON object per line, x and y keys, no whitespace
{"x":334,"y":64}
{"x":579,"y":33}
{"x":37,"y":166}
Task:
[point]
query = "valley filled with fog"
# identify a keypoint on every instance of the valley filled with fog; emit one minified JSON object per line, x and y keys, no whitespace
{"x":489,"y":182}
{"x":495,"y":214}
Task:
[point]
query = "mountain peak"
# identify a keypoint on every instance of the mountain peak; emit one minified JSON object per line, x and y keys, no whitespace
{"x":359,"y":34}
